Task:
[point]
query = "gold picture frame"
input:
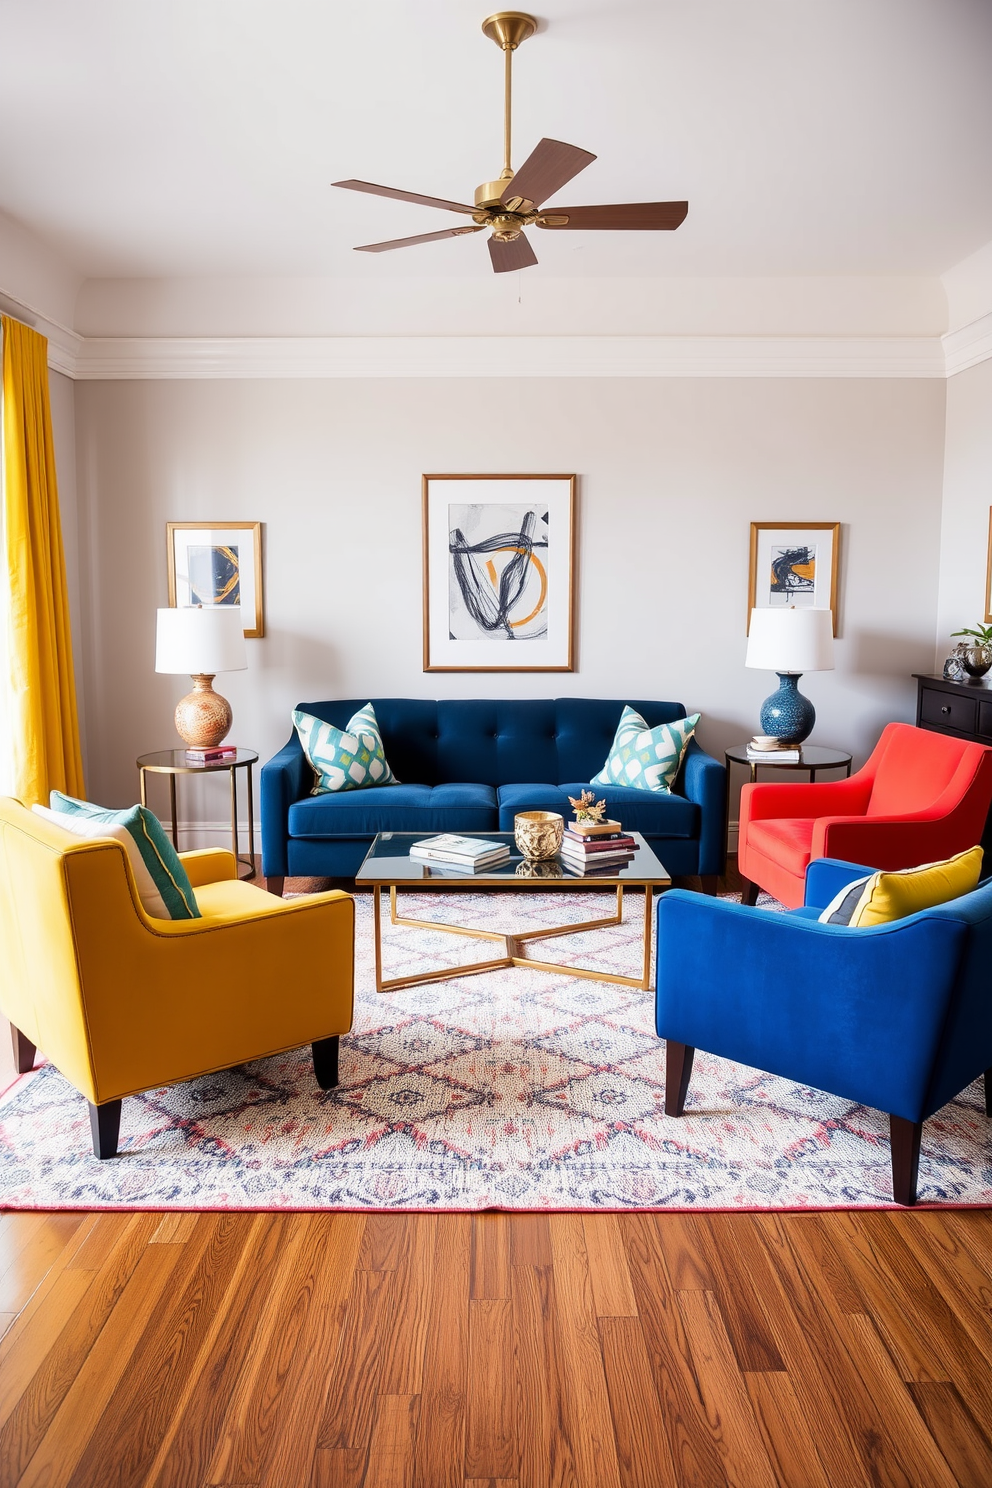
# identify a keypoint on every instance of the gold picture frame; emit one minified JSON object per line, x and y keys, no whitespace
{"x":988,"y":576}
{"x":772,"y":544}
{"x":502,"y":598}
{"x":205,"y":569}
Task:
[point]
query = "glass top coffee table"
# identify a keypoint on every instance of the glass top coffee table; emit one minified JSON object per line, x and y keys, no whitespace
{"x":389,"y":865}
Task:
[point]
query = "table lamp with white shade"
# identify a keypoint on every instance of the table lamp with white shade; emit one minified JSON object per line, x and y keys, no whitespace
{"x":201,"y":640}
{"x":790,"y":641}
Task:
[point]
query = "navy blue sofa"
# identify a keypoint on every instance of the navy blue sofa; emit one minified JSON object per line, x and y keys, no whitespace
{"x":897,"y":1016}
{"x":470,"y":766}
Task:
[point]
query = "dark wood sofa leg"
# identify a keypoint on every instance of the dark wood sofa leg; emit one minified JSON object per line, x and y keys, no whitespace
{"x":988,"y":1092}
{"x":710,"y":882}
{"x":749,"y":893}
{"x":276,"y":885}
{"x":678,"y":1069}
{"x":105,"y":1124}
{"x":325,"y":1062}
{"x":905,"y":1139}
{"x":24,"y":1051}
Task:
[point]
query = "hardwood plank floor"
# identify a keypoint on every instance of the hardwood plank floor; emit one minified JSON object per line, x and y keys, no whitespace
{"x":645,"y":1351}
{"x":799,"y":1350}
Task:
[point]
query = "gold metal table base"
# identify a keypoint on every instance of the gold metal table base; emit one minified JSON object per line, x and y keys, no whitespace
{"x":514,"y":947}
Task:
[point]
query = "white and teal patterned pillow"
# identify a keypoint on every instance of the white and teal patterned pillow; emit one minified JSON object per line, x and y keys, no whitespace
{"x":161,"y":880}
{"x":344,"y":759}
{"x":647,"y":759}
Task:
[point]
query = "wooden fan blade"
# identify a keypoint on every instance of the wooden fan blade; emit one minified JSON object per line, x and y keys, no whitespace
{"x":410,"y":196}
{"x":549,"y":165}
{"x":515,"y":255}
{"x":448,"y":232}
{"x":628,"y":216}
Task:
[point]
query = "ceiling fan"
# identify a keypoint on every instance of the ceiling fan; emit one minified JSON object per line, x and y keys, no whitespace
{"x":513,"y":202}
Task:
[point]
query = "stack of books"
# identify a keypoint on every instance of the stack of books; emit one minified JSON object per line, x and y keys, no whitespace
{"x":597,"y":849}
{"x":197,"y":754}
{"x":474,"y":853}
{"x":775,"y":754}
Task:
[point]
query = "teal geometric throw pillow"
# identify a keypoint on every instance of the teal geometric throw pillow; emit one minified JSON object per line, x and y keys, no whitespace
{"x":161,"y":880}
{"x":351,"y":758}
{"x":647,"y":759}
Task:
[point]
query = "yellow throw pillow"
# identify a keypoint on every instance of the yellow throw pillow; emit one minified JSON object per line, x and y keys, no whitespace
{"x":892,"y":896}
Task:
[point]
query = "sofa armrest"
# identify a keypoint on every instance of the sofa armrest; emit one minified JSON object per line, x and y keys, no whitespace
{"x":285,"y":778}
{"x":208,"y":865}
{"x":825,"y":877}
{"x":889,"y":842}
{"x":858,"y":1013}
{"x":704,"y":781}
{"x":769,"y":800}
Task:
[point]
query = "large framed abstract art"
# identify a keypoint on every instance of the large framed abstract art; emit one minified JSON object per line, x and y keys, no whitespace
{"x":794,"y":564}
{"x":214,"y":563}
{"x":498,"y":573}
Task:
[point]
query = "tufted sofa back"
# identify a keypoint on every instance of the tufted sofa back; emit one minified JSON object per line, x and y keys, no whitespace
{"x":495,"y":742}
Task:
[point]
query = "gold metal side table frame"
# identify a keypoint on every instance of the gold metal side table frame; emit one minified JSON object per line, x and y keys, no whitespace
{"x":172,"y":762}
{"x":513,"y":946}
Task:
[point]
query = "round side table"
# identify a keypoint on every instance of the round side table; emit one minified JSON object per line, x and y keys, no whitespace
{"x":173,"y":762}
{"x":812,"y":757}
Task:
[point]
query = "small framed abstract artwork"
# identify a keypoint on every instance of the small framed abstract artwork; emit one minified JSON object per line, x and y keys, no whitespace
{"x":217,"y":563}
{"x":498,"y":573}
{"x":794,"y":564}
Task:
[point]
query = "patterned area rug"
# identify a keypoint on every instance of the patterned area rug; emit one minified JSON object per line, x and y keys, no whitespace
{"x":511,"y":1090}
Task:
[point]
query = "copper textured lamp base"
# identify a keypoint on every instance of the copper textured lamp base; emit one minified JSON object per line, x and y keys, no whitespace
{"x":203,"y":717}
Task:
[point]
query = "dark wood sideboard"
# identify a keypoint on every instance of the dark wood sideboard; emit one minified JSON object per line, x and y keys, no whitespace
{"x":961,"y":709}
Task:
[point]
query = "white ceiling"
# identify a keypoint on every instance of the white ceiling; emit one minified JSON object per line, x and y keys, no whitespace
{"x":199,"y":137}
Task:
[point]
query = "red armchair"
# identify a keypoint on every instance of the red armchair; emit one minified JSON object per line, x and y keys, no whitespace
{"x":920,"y":797}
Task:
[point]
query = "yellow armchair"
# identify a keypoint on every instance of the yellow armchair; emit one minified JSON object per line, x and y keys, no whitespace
{"x":121,"y":1002}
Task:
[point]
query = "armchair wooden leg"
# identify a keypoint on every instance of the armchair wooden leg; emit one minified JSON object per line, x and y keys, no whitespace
{"x":988,"y":1092}
{"x":749,"y":893}
{"x":276,"y":884}
{"x":905,"y":1139}
{"x":105,"y":1124}
{"x":325,"y":1062}
{"x":678,"y":1069}
{"x":24,"y":1051}
{"x":710,"y":883}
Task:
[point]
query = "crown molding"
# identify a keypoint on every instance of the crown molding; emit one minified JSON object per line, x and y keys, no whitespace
{"x":113,"y":358}
{"x":968,"y":346}
{"x":64,"y":345}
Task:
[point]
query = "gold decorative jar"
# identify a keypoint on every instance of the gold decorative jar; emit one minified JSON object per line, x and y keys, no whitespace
{"x":539,"y":868}
{"x":538,"y":834}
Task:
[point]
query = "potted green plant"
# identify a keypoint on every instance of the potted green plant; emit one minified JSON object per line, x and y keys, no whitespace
{"x":976,"y":658}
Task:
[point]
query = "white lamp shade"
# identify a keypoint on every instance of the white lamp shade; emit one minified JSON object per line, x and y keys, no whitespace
{"x":200,"y":641}
{"x":787,"y":640}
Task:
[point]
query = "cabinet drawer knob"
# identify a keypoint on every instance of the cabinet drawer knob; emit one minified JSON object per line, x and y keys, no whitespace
{"x":945,"y":709}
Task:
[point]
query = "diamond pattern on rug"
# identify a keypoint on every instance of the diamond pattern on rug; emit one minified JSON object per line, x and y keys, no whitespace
{"x":511,"y":1089}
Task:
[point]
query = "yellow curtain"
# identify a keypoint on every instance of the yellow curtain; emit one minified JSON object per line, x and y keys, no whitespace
{"x":44,"y":725}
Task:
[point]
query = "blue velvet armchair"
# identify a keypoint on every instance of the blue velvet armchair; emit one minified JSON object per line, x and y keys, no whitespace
{"x":898,"y":1017}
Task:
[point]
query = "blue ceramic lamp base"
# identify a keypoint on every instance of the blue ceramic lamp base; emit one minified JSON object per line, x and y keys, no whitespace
{"x":787,"y":715}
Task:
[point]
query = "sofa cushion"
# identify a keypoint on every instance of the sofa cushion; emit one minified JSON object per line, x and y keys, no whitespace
{"x":396,"y":808}
{"x":646,"y":758}
{"x":654,"y":814}
{"x":344,"y":759}
{"x":161,"y":880}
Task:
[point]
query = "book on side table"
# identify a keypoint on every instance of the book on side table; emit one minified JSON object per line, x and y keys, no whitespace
{"x":467,"y":852}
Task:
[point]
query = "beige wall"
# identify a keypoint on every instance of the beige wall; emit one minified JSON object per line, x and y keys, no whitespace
{"x":671,"y":474}
{"x":967,"y":497}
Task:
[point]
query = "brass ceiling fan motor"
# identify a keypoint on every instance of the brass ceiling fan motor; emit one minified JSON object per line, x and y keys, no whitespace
{"x":512,"y":202}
